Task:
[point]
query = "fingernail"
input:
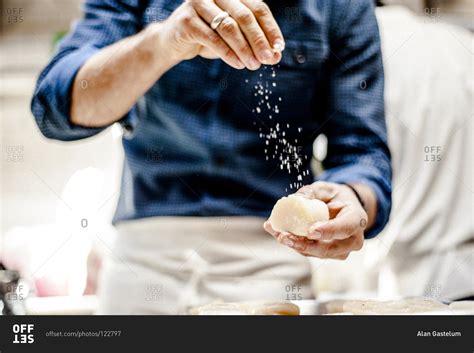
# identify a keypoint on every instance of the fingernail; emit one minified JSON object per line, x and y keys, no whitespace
{"x":288,"y":242}
{"x":279,"y":45}
{"x":315,"y":235}
{"x":254,"y":64}
{"x":267,"y":54}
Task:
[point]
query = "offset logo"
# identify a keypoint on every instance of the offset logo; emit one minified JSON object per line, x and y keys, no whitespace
{"x":23,"y":333}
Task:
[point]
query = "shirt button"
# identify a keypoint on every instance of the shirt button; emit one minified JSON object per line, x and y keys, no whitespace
{"x":300,"y":58}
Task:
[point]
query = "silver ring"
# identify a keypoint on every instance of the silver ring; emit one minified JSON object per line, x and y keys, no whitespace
{"x":216,"y":21}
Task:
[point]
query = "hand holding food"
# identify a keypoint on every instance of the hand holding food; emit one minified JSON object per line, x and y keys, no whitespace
{"x":330,"y":231}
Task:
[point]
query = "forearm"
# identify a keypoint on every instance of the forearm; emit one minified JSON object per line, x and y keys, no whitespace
{"x":110,"y":82}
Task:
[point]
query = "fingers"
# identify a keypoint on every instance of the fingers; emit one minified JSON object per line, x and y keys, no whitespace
{"x":267,"y":23}
{"x":337,"y":249}
{"x":283,"y":237}
{"x":268,"y":227}
{"x":341,"y":257}
{"x":335,"y":207}
{"x":208,"y":38}
{"x":229,"y":31}
{"x":277,"y":235}
{"x":341,"y":227}
{"x":250,"y":27}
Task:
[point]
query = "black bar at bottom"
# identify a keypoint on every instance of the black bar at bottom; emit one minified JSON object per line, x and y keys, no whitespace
{"x":175,"y":333}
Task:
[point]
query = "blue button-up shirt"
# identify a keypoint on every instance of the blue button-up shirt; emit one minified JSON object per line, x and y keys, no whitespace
{"x":193,"y":142}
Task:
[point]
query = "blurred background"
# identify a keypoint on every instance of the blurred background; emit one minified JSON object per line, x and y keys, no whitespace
{"x":51,"y":191}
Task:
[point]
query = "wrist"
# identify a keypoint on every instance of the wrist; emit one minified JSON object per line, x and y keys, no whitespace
{"x":159,"y":48}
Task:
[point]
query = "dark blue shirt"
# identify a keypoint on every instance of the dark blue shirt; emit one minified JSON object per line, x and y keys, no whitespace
{"x":193,"y":142}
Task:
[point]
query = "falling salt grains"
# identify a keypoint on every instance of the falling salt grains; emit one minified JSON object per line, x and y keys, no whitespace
{"x":277,"y":146}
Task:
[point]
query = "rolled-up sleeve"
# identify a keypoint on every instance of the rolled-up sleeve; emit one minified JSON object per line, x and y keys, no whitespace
{"x":104,"y":22}
{"x":355,"y":121}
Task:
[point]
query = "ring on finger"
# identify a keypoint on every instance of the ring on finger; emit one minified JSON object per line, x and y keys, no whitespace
{"x":217,"y":20}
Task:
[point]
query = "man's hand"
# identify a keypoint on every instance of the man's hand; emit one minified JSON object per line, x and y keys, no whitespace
{"x":111,"y":81}
{"x":341,"y":234}
{"x":248,"y":38}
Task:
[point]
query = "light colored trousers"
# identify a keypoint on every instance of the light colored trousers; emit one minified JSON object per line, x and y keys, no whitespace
{"x":166,"y":265}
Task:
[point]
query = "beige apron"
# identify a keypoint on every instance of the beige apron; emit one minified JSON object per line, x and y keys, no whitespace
{"x":165,"y":265}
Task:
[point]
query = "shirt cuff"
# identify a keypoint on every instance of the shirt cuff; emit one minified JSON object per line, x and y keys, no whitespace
{"x":51,"y":104}
{"x":354,"y":174}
